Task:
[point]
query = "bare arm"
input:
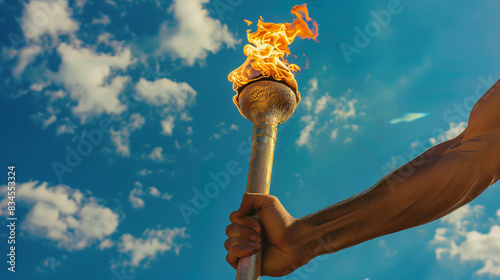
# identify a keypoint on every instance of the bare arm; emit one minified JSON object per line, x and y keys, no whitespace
{"x":430,"y":186}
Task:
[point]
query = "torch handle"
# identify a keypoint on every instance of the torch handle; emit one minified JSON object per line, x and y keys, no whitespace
{"x":259,"y":181}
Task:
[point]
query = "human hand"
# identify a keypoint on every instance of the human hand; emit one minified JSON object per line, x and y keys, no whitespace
{"x":278,"y":235}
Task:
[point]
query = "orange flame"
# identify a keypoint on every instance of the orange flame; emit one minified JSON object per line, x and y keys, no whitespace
{"x":267,"y":56}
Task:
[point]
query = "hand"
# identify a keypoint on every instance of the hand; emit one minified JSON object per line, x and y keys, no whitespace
{"x":278,"y":235}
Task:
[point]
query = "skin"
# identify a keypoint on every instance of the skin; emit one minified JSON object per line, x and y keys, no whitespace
{"x":434,"y":184}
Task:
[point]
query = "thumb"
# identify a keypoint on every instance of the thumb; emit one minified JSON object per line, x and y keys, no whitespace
{"x":252,"y":202}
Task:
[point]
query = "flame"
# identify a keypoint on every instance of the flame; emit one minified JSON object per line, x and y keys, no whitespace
{"x":266,"y":55}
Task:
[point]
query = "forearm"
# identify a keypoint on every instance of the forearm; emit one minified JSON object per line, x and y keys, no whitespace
{"x":436,"y":183}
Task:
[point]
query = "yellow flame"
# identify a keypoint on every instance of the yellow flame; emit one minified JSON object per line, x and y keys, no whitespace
{"x":266,"y":55}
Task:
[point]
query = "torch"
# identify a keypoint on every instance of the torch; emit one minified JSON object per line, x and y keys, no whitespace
{"x":267,"y":95}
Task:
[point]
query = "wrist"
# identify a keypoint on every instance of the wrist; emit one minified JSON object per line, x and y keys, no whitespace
{"x":315,"y":241}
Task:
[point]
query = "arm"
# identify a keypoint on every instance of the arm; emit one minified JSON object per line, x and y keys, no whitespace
{"x":429,"y":187}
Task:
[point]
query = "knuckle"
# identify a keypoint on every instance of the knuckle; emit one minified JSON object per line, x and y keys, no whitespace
{"x":227,"y":244}
{"x":229,"y":229}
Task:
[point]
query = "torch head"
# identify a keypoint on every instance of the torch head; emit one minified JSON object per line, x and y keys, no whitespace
{"x":267,"y":100}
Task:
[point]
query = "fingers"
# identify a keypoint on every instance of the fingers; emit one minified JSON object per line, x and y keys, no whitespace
{"x":239,"y":248}
{"x":245,"y":221}
{"x":252,"y":202}
{"x":238,"y":231}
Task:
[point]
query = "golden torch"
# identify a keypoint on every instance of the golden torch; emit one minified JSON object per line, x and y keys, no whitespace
{"x":267,"y":94}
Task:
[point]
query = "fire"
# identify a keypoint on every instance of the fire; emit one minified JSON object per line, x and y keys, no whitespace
{"x":266,"y":55}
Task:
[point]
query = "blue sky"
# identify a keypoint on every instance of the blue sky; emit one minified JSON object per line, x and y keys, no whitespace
{"x":117,"y":114}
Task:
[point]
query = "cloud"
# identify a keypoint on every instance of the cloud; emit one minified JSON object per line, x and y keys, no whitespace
{"x":322,"y":103}
{"x":104,"y":20}
{"x":63,"y":215}
{"x":457,"y":239}
{"x":454,"y":130}
{"x":106,"y":244}
{"x":144,"y":172}
{"x":196,"y":33}
{"x":344,"y":108}
{"x":223,"y":129}
{"x":172,"y":96}
{"x":88,"y":77}
{"x":334,"y":134}
{"x":305,"y":133}
{"x":47,"y":17}
{"x":135,"y":194}
{"x":308,"y":100}
{"x":49,"y":264}
{"x":150,"y":244}
{"x":168,"y":125}
{"x":26,"y":56}
{"x":418,"y":146}
{"x":165,"y":92}
{"x":121,"y":138}
{"x":157,"y":155}
{"x":409,"y":117}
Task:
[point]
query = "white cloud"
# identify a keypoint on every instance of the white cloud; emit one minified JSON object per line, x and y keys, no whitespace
{"x":154,"y":192}
{"x":121,"y":138}
{"x":65,"y":128}
{"x":152,"y":243}
{"x":322,"y":103}
{"x":334,"y":134}
{"x":135,"y":196}
{"x":168,"y":125}
{"x":196,"y":33}
{"x":165,"y":92}
{"x":224,"y":129}
{"x":26,"y":56}
{"x":172,"y":96}
{"x":305,"y":133}
{"x":458,"y":240}
{"x":49,"y":264}
{"x":344,"y":108}
{"x":157,"y":155}
{"x":136,"y":121}
{"x":145,"y":172}
{"x":42,"y":17}
{"x":88,"y":77}
{"x":309,"y":98}
{"x":104,"y":20}
{"x":454,"y":130}
{"x":233,"y":127}
{"x":67,"y":217}
{"x":418,"y":147}
{"x":106,"y":244}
